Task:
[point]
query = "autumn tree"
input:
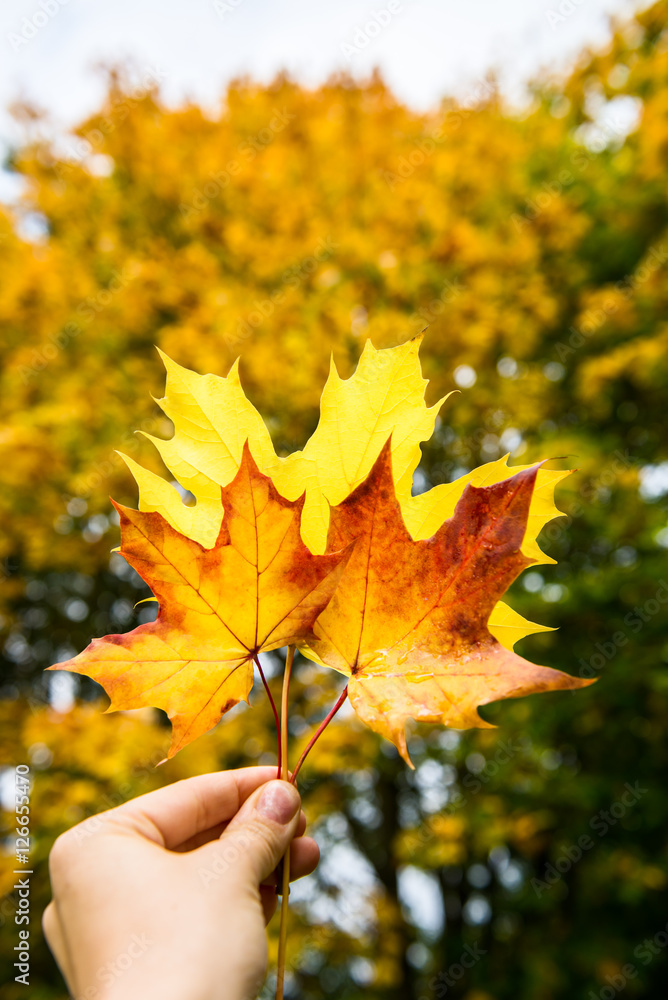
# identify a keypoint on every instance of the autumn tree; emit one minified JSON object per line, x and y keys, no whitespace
{"x":293,"y":223}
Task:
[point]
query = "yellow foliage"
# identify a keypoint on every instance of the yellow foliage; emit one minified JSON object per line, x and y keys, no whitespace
{"x":516,"y":241}
{"x":211,"y":242}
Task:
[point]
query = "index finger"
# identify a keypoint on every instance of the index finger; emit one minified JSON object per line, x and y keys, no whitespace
{"x":169,"y":816}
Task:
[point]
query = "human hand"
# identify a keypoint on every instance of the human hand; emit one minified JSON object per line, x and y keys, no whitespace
{"x":167,"y":896}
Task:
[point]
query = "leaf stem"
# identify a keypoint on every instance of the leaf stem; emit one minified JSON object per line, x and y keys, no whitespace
{"x":284,"y":712}
{"x":274,"y":710}
{"x":285,"y":864}
{"x":318,"y":733}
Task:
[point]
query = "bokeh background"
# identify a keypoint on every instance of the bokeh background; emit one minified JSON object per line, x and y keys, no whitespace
{"x":527,"y":232}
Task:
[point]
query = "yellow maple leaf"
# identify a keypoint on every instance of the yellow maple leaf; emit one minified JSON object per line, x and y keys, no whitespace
{"x":385,"y":396}
{"x":212,"y":418}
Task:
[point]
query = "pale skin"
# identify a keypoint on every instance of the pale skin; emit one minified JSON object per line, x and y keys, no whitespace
{"x":167,"y":896}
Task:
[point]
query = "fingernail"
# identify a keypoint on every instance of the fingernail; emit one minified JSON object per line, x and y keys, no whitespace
{"x":279,"y":801}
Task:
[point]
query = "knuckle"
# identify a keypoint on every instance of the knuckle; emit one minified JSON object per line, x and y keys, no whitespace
{"x":61,"y":852}
{"x":48,"y":921}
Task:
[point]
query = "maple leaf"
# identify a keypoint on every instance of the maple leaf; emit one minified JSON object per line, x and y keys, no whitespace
{"x":258,"y":588}
{"x":425,"y":513}
{"x":213,"y":422}
{"x":212,"y":418}
{"x":409,"y":620}
{"x":385,"y":396}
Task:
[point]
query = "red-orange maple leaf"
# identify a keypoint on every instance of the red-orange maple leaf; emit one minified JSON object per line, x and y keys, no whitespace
{"x":257,"y":589}
{"x":408,"y":621}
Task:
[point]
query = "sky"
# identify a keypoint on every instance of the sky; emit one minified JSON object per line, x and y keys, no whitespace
{"x":426,"y":48}
{"x":49,"y":49}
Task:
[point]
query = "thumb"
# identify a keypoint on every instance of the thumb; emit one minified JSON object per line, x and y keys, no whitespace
{"x":258,"y":836}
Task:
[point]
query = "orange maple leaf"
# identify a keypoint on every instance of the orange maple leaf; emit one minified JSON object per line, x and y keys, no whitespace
{"x":408,"y":621}
{"x":258,"y":588}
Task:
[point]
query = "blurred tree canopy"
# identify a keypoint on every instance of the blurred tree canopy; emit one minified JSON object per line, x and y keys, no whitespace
{"x":527,"y":863}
